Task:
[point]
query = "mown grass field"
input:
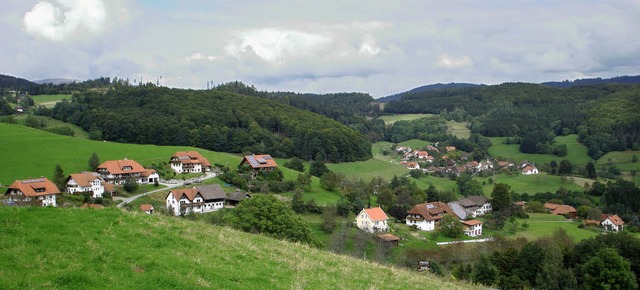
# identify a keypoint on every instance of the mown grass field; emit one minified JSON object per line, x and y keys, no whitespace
{"x":542,"y":225}
{"x":576,"y":152}
{"x":390,"y":119}
{"x":51,"y":122}
{"x":49,"y":100}
{"x":530,"y":183}
{"x":84,"y":248}
{"x":620,"y":159}
{"x":459,"y":129}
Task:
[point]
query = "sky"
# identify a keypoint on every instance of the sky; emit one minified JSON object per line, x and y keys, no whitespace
{"x":375,"y":47}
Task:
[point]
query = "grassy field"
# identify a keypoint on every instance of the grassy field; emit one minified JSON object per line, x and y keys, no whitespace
{"x":541,"y":225}
{"x":49,"y":100}
{"x":620,"y":159}
{"x":459,"y":129}
{"x":416,"y":143}
{"x":390,"y":119}
{"x":51,"y":122}
{"x":531,"y":183}
{"x":576,"y":152}
{"x":80,"y":249}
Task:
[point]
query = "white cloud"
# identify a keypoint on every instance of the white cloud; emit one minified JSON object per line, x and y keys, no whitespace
{"x":449,"y":61}
{"x":277,"y":45}
{"x":56,"y":20}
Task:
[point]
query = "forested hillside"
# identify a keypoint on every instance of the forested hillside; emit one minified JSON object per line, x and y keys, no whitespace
{"x":605,"y":116}
{"x":212,"y":119}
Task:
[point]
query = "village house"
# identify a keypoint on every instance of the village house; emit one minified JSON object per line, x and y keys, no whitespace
{"x":199,"y":199}
{"x":389,"y":238}
{"x":421,"y":154}
{"x":472,"y":228}
{"x":529,"y":170}
{"x":425,"y":215}
{"x":146,"y":208}
{"x":118,"y":171}
{"x":259,"y":163}
{"x":450,"y":148}
{"x":33,"y":191}
{"x":613,"y":223}
{"x":413,"y":165}
{"x":189,"y":162}
{"x":561,"y":209}
{"x":87,"y":182}
{"x":234,"y":198}
{"x":372,"y":220}
{"x":470,"y":207}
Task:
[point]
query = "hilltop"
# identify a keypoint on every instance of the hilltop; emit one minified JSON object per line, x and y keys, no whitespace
{"x":85,"y":248}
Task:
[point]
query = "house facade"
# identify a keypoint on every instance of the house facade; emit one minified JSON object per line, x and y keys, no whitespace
{"x":613,"y":223}
{"x":472,"y":228}
{"x":118,"y":171}
{"x":189,"y":162}
{"x":529,"y":170}
{"x":425,"y":215}
{"x":146,"y":208}
{"x":38,"y":191}
{"x":259,"y":163}
{"x":199,"y":199}
{"x":372,"y":220}
{"x":86,"y":182}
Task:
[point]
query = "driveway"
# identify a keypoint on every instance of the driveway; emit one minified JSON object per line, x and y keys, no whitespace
{"x":169,"y":186}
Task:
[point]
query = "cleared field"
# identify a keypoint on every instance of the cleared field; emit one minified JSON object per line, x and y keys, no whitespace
{"x":620,"y":159}
{"x":531,"y":183}
{"x":542,"y":225}
{"x":459,"y":129}
{"x":51,"y":123}
{"x":415,"y":143}
{"x":49,"y":100}
{"x":390,"y":119}
{"x":576,"y":152}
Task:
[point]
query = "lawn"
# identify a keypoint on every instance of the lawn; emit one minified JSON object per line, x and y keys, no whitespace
{"x":530,"y":183}
{"x":576,"y":152}
{"x":459,"y":129}
{"x":51,"y":123}
{"x":415,"y":143}
{"x":542,"y":225}
{"x":66,"y":248}
{"x":390,"y":119}
{"x":49,"y":100}
{"x":620,"y":159}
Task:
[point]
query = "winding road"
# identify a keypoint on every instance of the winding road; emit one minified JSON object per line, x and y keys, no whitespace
{"x":169,"y":186}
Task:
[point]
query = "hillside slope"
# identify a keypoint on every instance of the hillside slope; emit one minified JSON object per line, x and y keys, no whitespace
{"x":84,"y":248}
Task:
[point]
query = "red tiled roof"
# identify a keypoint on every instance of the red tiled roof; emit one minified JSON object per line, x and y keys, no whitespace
{"x":146,"y":207}
{"x":34,"y":187}
{"x":430,"y":210}
{"x":84,"y":179}
{"x":564,"y":209}
{"x":147,"y":172}
{"x":388,"y":237}
{"x":187,"y":157}
{"x":190,"y":193}
{"x":550,"y":206}
{"x":117,"y":166}
{"x":259,"y":161}
{"x":528,"y":168}
{"x":376,"y":214}
{"x":616,"y":220}
{"x":472,"y":222}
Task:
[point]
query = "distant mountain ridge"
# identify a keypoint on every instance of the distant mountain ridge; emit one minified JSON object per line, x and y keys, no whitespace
{"x":556,"y":84}
{"x":56,"y":81}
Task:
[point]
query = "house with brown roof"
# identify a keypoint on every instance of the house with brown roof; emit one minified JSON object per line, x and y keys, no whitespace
{"x":86,"y":182}
{"x":146,"y":208}
{"x":613,"y":223}
{"x":471,"y":207}
{"x":259,"y":163}
{"x":389,"y":238}
{"x":413,"y":165}
{"x":472,"y":228}
{"x":425,"y":215}
{"x":236,"y":197}
{"x":118,"y":171}
{"x":561,"y":209}
{"x":199,"y":199}
{"x":372,"y":220}
{"x":189,"y":162}
{"x":420,"y":154}
{"x":36,"y":191}
{"x":450,"y":148}
{"x":529,"y":169}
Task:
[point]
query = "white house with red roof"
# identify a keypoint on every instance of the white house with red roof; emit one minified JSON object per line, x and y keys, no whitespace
{"x":86,"y":182}
{"x":259,"y":163}
{"x":37,"y":191}
{"x":146,"y":208}
{"x":613,"y":223}
{"x":118,"y":171}
{"x":472,"y":228}
{"x":199,"y":199}
{"x":424,"y":216}
{"x":372,"y":220}
{"x":189,"y":162}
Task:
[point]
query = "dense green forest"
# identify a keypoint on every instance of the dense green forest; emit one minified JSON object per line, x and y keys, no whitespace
{"x":210,"y":119}
{"x":605,"y":116}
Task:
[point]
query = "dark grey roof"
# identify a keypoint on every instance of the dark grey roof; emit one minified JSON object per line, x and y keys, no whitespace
{"x":237,"y":195}
{"x":458,"y":210}
{"x":474,"y":200}
{"x":211,"y":191}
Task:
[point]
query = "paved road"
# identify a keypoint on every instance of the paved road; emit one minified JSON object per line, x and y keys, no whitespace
{"x":125,"y":200}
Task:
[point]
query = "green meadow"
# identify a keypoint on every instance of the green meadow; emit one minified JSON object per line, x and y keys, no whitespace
{"x":576,"y":152}
{"x":49,"y":100}
{"x":390,"y":119}
{"x":64,"y":248}
{"x":51,"y":123}
{"x":530,"y":183}
{"x":620,"y":159}
{"x":542,"y":225}
{"x":459,"y":129}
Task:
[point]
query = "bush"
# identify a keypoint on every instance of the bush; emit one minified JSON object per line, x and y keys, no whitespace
{"x":130,"y":185}
{"x":63,"y":130}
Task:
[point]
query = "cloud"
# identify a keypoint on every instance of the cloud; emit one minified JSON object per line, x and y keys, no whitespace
{"x":277,"y":45}
{"x":449,"y":61}
{"x":57,"y":20}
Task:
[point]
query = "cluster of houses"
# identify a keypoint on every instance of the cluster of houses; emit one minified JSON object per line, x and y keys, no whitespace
{"x":424,"y":159}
